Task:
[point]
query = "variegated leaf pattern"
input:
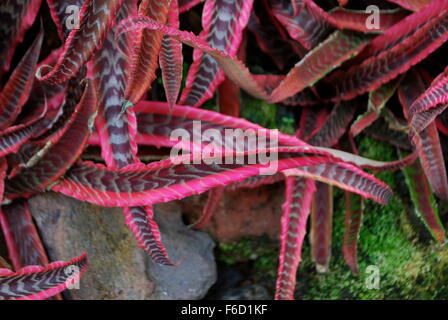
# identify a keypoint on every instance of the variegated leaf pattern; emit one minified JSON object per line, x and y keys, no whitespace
{"x":186,"y":175}
{"x":141,"y":221}
{"x":356,"y":19}
{"x":63,"y":10}
{"x":304,"y":20}
{"x":335,"y":125}
{"x":328,"y":55}
{"x":145,"y":52}
{"x":59,"y":156}
{"x":116,"y":130}
{"x":171,"y":59}
{"x":13,"y":138}
{"x":427,"y":142}
{"x":339,"y":47}
{"x":311,"y":121}
{"x":279,"y":47}
{"x":377,"y":100}
{"x":39,"y":283}
{"x":429,"y":104}
{"x":18,"y":88}
{"x":296,"y":210}
{"x":24,"y":245}
{"x":413,"y":5}
{"x":388,"y":62}
{"x":223,"y":22}
{"x":97,"y":17}
{"x":156,"y":123}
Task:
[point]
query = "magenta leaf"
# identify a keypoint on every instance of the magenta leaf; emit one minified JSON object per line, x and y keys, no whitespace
{"x":394,"y":52}
{"x":58,"y":11}
{"x":296,"y":210}
{"x":427,"y":142}
{"x":223,"y":23}
{"x":430,"y":103}
{"x":45,"y":170}
{"x":39,"y":283}
{"x":23,"y":241}
{"x":18,"y":88}
{"x":116,"y":130}
{"x":171,"y":59}
{"x":304,"y":20}
{"x":145,"y":53}
{"x":96,"y":20}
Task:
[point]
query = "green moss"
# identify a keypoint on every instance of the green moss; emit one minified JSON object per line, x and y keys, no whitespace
{"x":408,"y":270}
{"x":260,"y":252}
{"x":267,"y":115}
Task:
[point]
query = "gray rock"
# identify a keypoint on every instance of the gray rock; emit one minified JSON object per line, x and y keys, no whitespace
{"x":117,"y":269}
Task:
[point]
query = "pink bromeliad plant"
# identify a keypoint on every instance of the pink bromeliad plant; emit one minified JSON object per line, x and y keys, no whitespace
{"x":347,"y":78}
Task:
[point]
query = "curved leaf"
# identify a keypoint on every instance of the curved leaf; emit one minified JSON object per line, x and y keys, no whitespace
{"x":435,"y":98}
{"x":304,"y":20}
{"x":391,"y":62}
{"x":145,"y":53}
{"x":223,"y":23}
{"x":59,"y":156}
{"x":335,"y":125}
{"x":427,"y":142}
{"x":96,"y":20}
{"x":214,"y":197}
{"x":296,"y":209}
{"x":116,"y":130}
{"x":18,"y":88}
{"x":39,"y":283}
{"x":171,"y":59}
{"x":22,"y":239}
{"x":182,"y":176}
{"x":58,"y":11}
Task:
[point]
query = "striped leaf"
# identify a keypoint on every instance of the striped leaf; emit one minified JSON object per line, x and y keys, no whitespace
{"x":39,"y":283}
{"x":145,"y":52}
{"x":18,"y":88}
{"x":171,"y":59}
{"x":47,"y":169}
{"x":22,"y":239}
{"x":96,"y":20}
{"x":223,"y":23}
{"x":296,"y":210}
